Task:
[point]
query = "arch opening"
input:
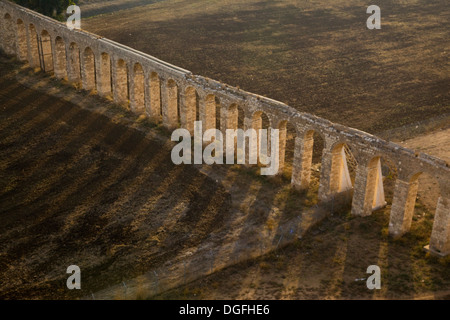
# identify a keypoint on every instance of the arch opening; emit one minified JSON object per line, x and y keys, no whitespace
{"x":21,"y":41}
{"x":287,"y":141}
{"x":260,"y":122}
{"x":74,"y":73}
{"x":380,"y":185}
{"x":104,"y":80}
{"x":155,"y":112}
{"x":307,"y":168}
{"x":121,"y":82}
{"x":89,"y":76}
{"x":60,"y":58}
{"x":33,"y":54}
{"x":189,"y":112}
{"x":171,"y":106}
{"x":343,"y":169}
{"x":417,"y":201}
{"x":208,"y":112}
{"x":232,"y":117}
{"x":46,"y":52}
{"x":138,"y":98}
{"x":9,"y":43}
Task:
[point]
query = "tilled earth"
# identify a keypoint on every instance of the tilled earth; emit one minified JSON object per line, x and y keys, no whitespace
{"x":317,"y":56}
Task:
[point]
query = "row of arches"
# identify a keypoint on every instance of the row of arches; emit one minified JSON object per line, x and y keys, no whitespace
{"x":81,"y":66}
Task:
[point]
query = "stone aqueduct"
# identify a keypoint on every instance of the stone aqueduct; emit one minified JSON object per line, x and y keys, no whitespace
{"x":167,"y":93}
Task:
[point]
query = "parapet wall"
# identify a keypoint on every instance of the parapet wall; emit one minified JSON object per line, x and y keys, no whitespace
{"x":176,"y":97}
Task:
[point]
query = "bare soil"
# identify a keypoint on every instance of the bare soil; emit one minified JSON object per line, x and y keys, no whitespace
{"x":317,"y":56}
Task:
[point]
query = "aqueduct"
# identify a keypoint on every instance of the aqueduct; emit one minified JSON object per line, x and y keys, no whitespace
{"x":176,"y":97}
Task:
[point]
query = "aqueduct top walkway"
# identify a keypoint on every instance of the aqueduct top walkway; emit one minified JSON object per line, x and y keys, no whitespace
{"x":175,"y":96}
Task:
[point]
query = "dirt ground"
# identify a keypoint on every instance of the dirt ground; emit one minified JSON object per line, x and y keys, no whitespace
{"x":317,"y":56}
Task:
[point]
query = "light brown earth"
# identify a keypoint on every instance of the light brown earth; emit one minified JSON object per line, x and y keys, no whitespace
{"x":435,"y":144}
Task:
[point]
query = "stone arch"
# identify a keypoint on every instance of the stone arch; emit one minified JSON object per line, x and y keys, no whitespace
{"x":74,"y":72}
{"x":218,"y":121}
{"x":231,"y":117}
{"x":340,"y":178}
{"x":60,"y":58}
{"x":372,"y":181}
{"x":121,"y":82}
{"x":33,"y":51}
{"x":259,"y":121}
{"x":170,"y":107}
{"x":208,"y":112}
{"x":46,"y":52}
{"x":88,"y":69}
{"x":22,"y":47}
{"x":104,"y":82}
{"x":287,"y":140}
{"x":190,"y":107}
{"x":9,"y":43}
{"x":406,"y":193}
{"x":138,"y":96}
{"x":308,"y":153}
{"x":155,"y":111}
